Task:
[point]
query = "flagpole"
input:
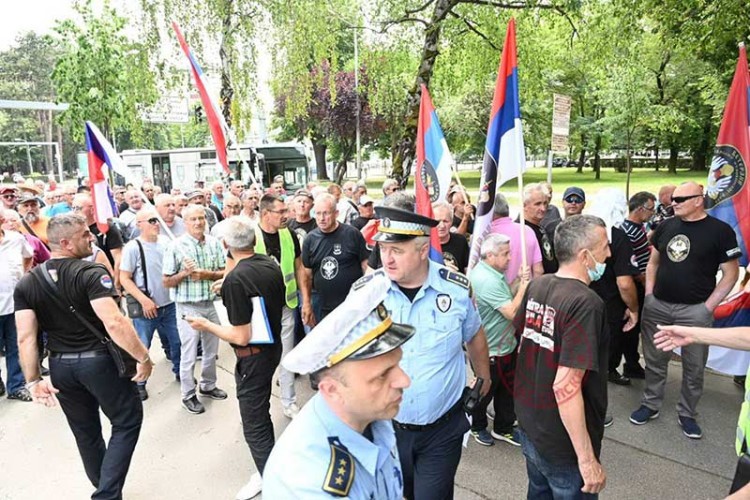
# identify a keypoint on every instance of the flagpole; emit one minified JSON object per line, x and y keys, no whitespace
{"x":521,"y":219}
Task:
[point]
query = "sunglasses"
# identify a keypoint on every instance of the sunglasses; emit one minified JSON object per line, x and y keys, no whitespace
{"x":683,"y":199}
{"x":574,"y":199}
{"x":10,"y":196}
{"x":152,"y":220}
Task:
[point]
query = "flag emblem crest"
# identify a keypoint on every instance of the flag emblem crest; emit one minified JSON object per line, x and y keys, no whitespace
{"x":726,"y":176}
{"x":430,"y":181}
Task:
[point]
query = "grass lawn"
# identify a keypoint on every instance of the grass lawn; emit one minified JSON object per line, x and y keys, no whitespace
{"x":640,"y":180}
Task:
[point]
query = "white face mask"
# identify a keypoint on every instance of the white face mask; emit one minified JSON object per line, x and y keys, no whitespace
{"x":598,"y":271}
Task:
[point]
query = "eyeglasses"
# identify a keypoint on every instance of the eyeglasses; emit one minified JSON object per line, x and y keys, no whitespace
{"x":574,"y":200}
{"x":648,"y":209}
{"x":683,"y":199}
{"x":10,"y":196}
{"x":282,"y":211}
{"x":153,"y":221}
{"x":76,"y":208}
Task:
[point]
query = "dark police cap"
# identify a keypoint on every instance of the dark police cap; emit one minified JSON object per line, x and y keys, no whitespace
{"x":401,"y":225}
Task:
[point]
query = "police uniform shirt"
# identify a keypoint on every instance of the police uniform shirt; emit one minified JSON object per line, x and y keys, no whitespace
{"x":445,"y":318}
{"x":319,"y":456}
{"x":79,"y":282}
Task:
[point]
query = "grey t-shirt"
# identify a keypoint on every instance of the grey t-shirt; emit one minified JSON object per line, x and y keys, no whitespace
{"x":154,"y":252}
{"x":178,"y":227}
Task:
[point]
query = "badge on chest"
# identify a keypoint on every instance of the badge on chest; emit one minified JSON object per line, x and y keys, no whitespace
{"x":443,"y":302}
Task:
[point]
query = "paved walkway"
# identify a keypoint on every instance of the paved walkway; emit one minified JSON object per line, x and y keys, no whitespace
{"x":205,"y":456}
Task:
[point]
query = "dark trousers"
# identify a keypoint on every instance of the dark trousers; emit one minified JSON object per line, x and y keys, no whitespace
{"x":429,"y":458}
{"x":622,"y":343}
{"x":502,"y":373}
{"x":253,"y":375}
{"x":86,"y":385}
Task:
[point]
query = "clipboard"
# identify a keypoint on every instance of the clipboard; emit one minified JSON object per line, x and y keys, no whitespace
{"x":259,"y":324}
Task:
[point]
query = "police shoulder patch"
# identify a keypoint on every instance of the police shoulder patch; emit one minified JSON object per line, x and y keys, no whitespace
{"x":454,"y":277}
{"x":364,"y":279}
{"x":340,"y":476}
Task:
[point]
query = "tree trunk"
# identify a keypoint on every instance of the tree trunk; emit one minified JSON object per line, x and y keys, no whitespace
{"x":404,"y":153}
{"x":627,"y":167}
{"x":582,"y":156}
{"x":656,"y":155}
{"x":227,"y":90}
{"x":597,"y":158}
{"x":700,"y":156}
{"x":319,"y":150}
{"x":673,"y":152}
{"x":340,"y":171}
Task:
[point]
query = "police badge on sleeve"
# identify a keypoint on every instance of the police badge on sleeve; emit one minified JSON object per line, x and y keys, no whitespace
{"x":443,"y":302}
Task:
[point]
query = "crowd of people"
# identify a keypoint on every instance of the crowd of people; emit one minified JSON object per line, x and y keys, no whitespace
{"x":329,"y":282}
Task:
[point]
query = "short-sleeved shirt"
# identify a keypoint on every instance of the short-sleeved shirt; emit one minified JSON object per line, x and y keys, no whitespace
{"x":457,"y":222}
{"x":256,"y":276}
{"x":546,"y":245}
{"x":690,"y":254}
{"x":347,"y":211}
{"x":306,"y":459}
{"x":336,"y":262}
{"x":456,"y":251}
{"x":38,"y":229}
{"x":636,"y":233}
{"x":154,"y":253}
{"x":491,"y":293}
{"x":445,"y":318}
{"x":361,"y":222}
{"x":127,"y":219}
{"x":621,"y":262}
{"x":13,"y":250}
{"x":79,"y":282}
{"x":111,"y":240}
{"x":208,"y":255}
{"x":178,"y":228}
{"x":506,"y":226}
{"x":561,"y":322}
{"x":41,"y":252}
{"x":273,"y":245}
{"x":302,"y":229}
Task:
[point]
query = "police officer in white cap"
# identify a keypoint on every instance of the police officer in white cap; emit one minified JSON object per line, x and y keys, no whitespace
{"x":342,"y":443}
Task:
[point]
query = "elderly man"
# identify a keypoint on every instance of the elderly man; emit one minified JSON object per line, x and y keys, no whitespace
{"x":217,"y":194}
{"x":302,"y":223}
{"x":560,"y":388}
{"x":431,"y":422}
{"x":551,"y":217}
{"x":198,"y":197}
{"x":192,"y":263}
{"x":65,"y":204}
{"x":232,"y":208}
{"x":86,"y":380}
{"x":254,"y":282}
{"x":664,"y":209}
{"x":343,"y":444}
{"x":8,"y":196}
{"x":110,"y":241}
{"x":166,"y":206}
{"x":366,"y":212}
{"x":390,"y":186}
{"x":534,"y":207}
{"x":236,"y":188}
{"x":134,"y":199}
{"x":334,"y":256}
{"x":12,"y":222}
{"x":454,"y":246}
{"x":274,"y":239}
{"x":503,"y":224}
{"x":681,"y":286}
{"x":345,"y":207}
{"x":497,"y":306}
{"x":463,"y":211}
{"x":32,"y":222}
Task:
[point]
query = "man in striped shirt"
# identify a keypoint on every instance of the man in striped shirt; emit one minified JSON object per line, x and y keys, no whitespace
{"x":641,"y":207}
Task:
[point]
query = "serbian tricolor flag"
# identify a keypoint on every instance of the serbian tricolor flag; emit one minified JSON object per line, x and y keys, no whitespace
{"x":504,"y":155}
{"x":101,"y":158}
{"x":728,"y":192}
{"x":216,"y":122}
{"x":433,"y":175}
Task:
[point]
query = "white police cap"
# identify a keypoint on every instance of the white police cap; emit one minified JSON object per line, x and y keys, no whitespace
{"x":359,"y":328}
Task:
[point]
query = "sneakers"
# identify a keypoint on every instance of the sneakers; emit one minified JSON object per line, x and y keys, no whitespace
{"x":616,"y":378}
{"x":642,"y":415}
{"x":483,"y":437}
{"x":192,"y":405}
{"x":609,"y":420}
{"x":291,"y":411}
{"x":214,"y":393}
{"x":251,"y":489}
{"x":690,"y":427}
{"x":21,"y":395}
{"x":510,"y":438}
{"x":142,"y":392}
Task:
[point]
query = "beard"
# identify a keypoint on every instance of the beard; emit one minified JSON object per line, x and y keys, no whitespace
{"x":31,"y":217}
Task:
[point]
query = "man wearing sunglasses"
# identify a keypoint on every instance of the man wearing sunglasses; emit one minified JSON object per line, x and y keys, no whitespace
{"x":9,"y":197}
{"x":681,"y":287}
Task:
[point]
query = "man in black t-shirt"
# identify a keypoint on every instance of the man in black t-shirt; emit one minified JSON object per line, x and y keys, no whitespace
{"x":454,"y":246}
{"x":535,"y":203}
{"x":334,"y":256}
{"x":302,"y":224}
{"x":255,"y":281}
{"x":366,"y":212}
{"x":681,"y":288}
{"x":85,"y":376}
{"x":560,"y":387}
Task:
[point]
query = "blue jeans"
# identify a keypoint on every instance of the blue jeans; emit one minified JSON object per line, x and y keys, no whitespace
{"x":548,"y":481}
{"x":85,"y":386}
{"x":9,"y":337}
{"x":165,"y":323}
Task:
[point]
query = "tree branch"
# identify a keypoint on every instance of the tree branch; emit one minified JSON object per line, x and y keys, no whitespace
{"x":474,"y":30}
{"x":419,"y":9}
{"x":405,"y":19}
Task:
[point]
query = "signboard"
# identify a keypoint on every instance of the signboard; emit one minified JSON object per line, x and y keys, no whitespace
{"x":560,"y":123}
{"x":169,"y":109}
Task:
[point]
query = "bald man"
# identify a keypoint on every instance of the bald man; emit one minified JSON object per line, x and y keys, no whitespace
{"x":681,"y":287}
{"x":664,"y":209}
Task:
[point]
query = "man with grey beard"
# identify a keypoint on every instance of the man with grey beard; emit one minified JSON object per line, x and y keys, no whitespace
{"x":32,"y":222}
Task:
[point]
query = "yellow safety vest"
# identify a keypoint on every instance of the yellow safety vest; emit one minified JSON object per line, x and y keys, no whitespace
{"x":287,"y":261}
{"x":743,"y":423}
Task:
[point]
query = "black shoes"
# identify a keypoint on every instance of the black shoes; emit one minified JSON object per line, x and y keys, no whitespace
{"x":616,"y":378}
{"x":2,"y":387}
{"x":214,"y":393}
{"x":192,"y":405}
{"x":21,"y":395}
{"x":635,"y":372}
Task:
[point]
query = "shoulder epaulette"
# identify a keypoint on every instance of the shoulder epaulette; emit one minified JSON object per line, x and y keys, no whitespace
{"x":454,"y":277}
{"x":340,"y":475}
{"x":364,"y":279}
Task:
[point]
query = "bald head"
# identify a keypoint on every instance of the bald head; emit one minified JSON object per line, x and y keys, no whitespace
{"x":665,"y":193}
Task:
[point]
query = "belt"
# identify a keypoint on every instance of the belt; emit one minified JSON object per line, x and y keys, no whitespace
{"x":446,"y":416}
{"x":79,"y":355}
{"x":244,"y":352}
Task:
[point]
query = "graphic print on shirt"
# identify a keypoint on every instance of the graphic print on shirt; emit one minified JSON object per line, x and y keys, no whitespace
{"x":540,"y":324}
{"x":329,"y":267}
{"x":678,"y":248}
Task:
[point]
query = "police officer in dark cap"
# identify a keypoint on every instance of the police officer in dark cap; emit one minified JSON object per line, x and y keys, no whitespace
{"x":431,"y":422}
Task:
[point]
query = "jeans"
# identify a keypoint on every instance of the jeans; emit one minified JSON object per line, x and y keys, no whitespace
{"x":286,"y":378}
{"x":253,"y":376}
{"x":189,"y":340}
{"x":165,"y":323}
{"x":86,"y":385}
{"x":9,"y":337}
{"x":548,"y":481}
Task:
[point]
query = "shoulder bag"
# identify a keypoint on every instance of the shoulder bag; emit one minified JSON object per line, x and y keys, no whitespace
{"x":135,"y":309}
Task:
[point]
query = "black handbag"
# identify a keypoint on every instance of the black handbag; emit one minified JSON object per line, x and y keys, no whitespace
{"x":125,"y":363}
{"x":742,"y":473}
{"x":135,"y":309}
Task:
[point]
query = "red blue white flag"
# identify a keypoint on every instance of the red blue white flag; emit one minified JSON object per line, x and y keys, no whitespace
{"x":728,"y":191}
{"x":216,"y":122}
{"x":504,"y":154}
{"x":101,"y":158}
{"x":434,"y":162}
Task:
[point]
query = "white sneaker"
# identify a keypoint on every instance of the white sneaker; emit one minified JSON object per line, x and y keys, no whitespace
{"x":291,"y":411}
{"x":252,"y":488}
